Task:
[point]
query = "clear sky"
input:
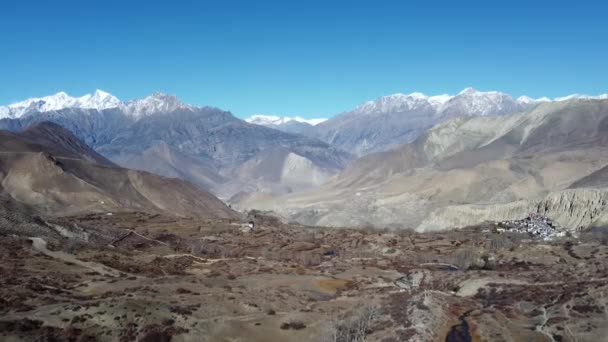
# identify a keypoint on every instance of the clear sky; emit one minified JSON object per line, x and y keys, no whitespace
{"x":308,"y":58}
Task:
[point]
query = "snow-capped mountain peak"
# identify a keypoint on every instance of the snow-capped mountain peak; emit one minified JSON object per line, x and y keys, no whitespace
{"x":153,"y":104}
{"x":468,"y":91}
{"x":439,"y":100}
{"x":274,"y":120}
{"x":527,"y":100}
{"x":581,"y":97}
{"x":417,"y":95}
{"x":98,"y":100}
{"x":394,"y":103}
{"x":48,"y":102}
{"x":468,"y":102}
{"x":471,"y":102}
{"x":267,"y":120}
{"x":313,"y":122}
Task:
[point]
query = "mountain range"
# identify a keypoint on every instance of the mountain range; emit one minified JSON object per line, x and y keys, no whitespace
{"x":207,"y":146}
{"x":406,"y":159}
{"x":389,"y":121}
{"x":296,"y":125}
{"x":98,"y":100}
{"x":270,"y":120}
{"x":551,"y":159}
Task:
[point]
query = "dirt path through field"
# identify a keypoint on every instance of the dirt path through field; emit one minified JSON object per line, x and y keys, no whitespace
{"x":40,"y":245}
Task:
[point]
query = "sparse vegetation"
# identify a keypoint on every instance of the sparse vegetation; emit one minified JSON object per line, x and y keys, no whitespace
{"x":354,"y":328}
{"x":292,"y":273}
{"x":295,"y":325}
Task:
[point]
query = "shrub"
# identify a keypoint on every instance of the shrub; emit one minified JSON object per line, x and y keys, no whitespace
{"x":295,"y":325}
{"x":353,"y":329}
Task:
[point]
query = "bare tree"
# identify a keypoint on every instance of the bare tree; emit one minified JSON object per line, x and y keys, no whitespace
{"x":352,"y":329}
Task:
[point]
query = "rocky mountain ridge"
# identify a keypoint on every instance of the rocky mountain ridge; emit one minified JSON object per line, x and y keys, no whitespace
{"x":389,"y":121}
{"x":469,"y":170}
{"x":98,"y":100}
{"x":203,"y":145}
{"x":48,"y":169}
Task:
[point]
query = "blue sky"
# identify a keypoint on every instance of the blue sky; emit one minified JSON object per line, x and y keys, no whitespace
{"x":307,"y":58}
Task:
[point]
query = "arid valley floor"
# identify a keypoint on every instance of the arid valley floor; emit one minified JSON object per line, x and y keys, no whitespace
{"x":303,"y":171}
{"x":135,"y":276}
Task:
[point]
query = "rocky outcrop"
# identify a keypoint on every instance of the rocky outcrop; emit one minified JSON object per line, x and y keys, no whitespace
{"x":576,"y":207}
{"x":458,"y":216}
{"x":570,"y":209}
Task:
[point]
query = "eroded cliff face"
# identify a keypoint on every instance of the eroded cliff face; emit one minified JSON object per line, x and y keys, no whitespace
{"x":570,"y":209}
{"x":576,"y":207}
{"x":458,"y":216}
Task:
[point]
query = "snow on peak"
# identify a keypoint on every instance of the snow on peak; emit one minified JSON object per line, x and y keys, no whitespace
{"x":273,"y":120}
{"x":417,"y":95}
{"x":581,"y":97}
{"x":439,"y":100}
{"x":527,"y":100}
{"x":471,"y":102}
{"x":313,"y":122}
{"x":395,"y":103}
{"x":472,"y":92}
{"x":468,"y":91}
{"x":153,"y":104}
{"x":468,"y":102}
{"x":99,"y":100}
{"x":266,"y":120}
{"x":61,"y":100}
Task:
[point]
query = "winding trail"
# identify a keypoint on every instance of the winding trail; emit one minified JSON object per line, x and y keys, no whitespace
{"x":205,"y":260}
{"x":132,"y":232}
{"x":40,"y":245}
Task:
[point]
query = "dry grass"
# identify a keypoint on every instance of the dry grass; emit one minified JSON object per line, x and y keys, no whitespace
{"x":333,"y":285}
